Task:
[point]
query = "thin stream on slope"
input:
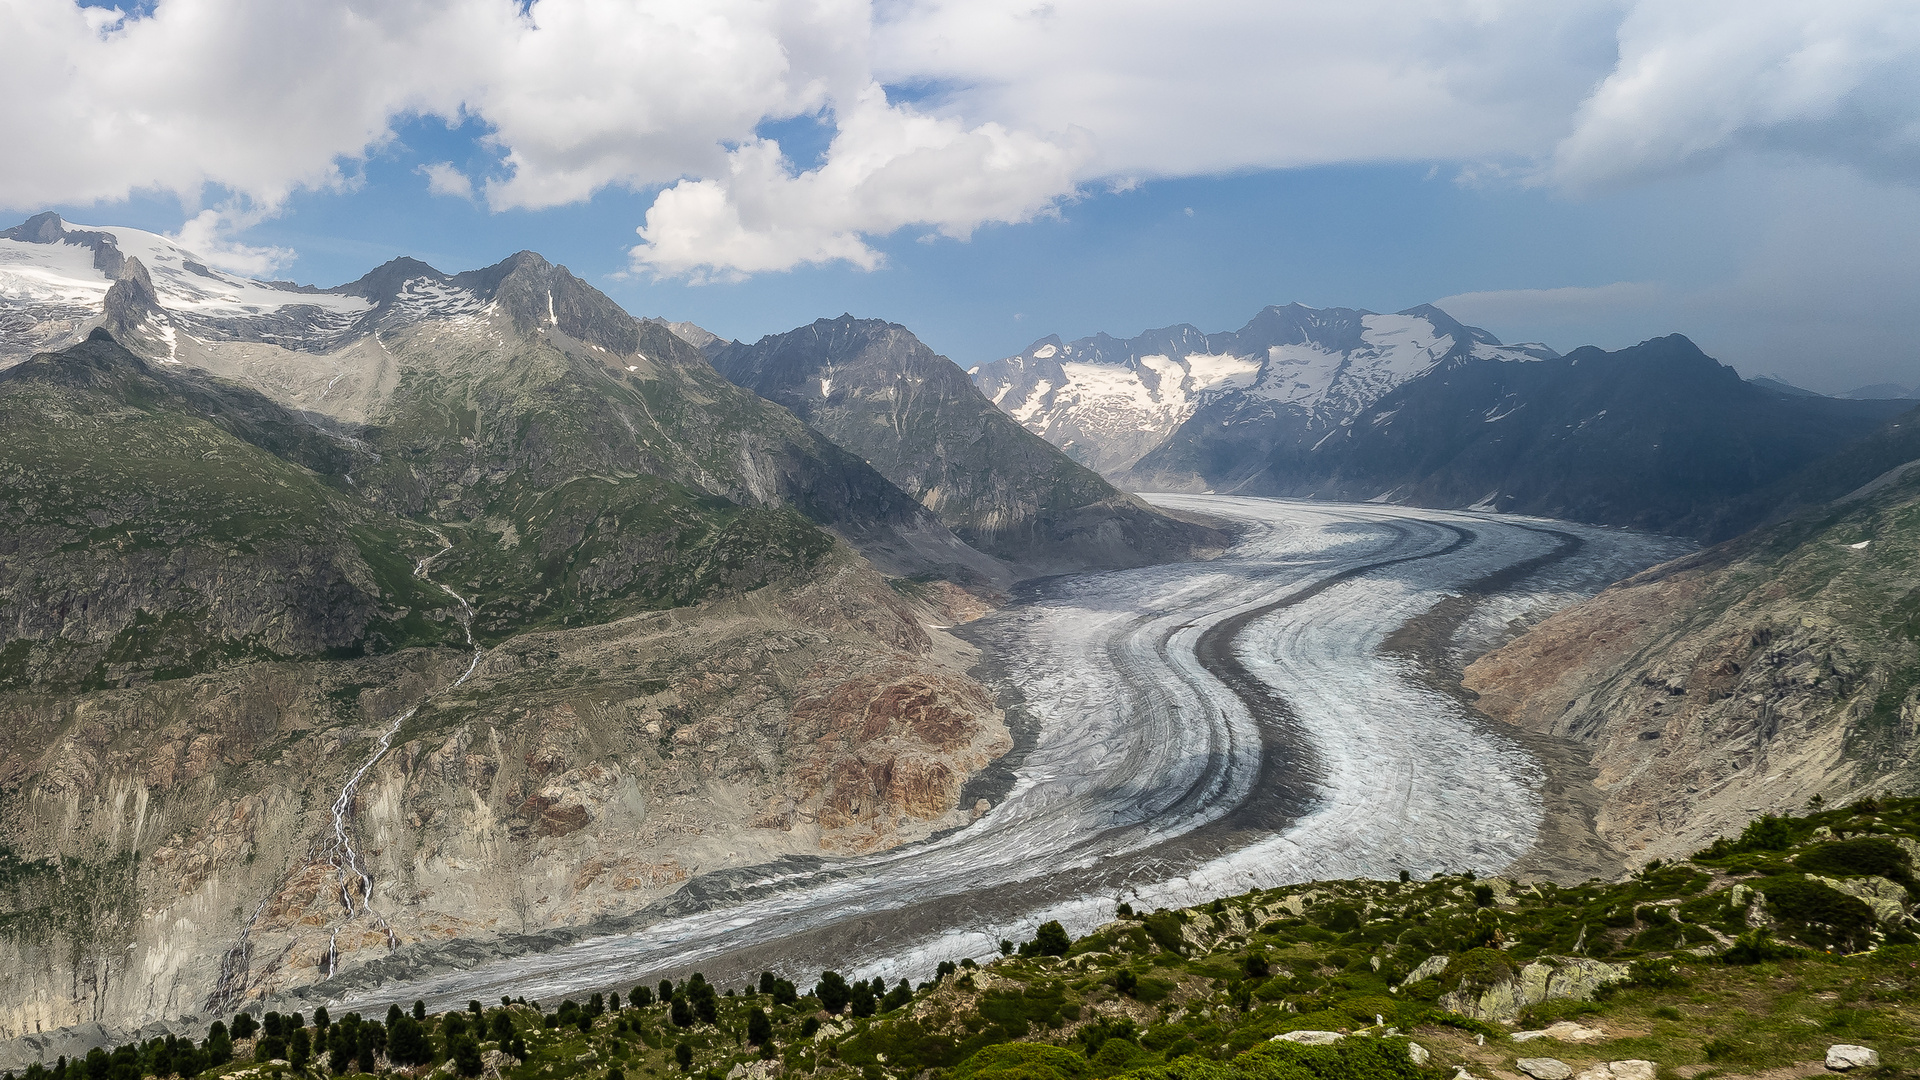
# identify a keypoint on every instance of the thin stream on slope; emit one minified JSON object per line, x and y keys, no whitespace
{"x":340,"y":852}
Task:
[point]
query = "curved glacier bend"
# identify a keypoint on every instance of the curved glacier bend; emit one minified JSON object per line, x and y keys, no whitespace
{"x":1152,"y":779}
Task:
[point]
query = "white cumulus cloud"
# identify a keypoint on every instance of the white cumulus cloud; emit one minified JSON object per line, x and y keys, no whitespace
{"x":1697,"y":80}
{"x":995,"y":110}
{"x":445,"y":178}
{"x":888,"y":168}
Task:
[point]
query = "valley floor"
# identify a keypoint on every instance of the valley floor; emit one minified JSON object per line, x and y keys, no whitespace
{"x":1197,"y":729}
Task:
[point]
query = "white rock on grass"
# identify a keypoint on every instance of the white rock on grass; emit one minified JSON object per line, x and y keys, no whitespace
{"x":1545,"y":1068}
{"x":1620,"y":1070}
{"x":1564,"y":1031}
{"x":1418,"y":1054}
{"x":1310,"y":1038}
{"x":1846,"y":1056}
{"x":1430,"y":967}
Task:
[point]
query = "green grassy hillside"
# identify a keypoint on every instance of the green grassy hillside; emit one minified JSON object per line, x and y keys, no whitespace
{"x":146,"y":537}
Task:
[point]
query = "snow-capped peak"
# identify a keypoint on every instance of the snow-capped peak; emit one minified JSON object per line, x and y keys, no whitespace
{"x":1108,"y":401}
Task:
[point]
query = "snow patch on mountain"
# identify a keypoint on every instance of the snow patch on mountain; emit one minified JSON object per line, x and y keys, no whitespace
{"x":55,"y":276}
{"x":1108,"y":401}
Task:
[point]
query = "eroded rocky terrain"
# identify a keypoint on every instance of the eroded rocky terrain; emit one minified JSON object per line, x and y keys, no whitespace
{"x":1747,"y":678}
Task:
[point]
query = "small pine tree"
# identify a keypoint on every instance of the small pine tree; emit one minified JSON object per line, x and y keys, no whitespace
{"x":832,"y":992}
{"x":219,"y":1046}
{"x":641,"y":997}
{"x":466,"y":1056}
{"x":759,"y":1028}
{"x":683,"y":1055}
{"x":861,"y":1001}
{"x":682,"y":1013}
{"x":299,"y":1049}
{"x":1051,"y":939}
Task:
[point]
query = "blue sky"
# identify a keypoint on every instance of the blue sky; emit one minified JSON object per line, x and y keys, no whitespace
{"x":1566,"y":203}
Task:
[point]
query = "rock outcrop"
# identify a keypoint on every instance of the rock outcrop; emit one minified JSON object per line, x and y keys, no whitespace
{"x":1744,"y":679}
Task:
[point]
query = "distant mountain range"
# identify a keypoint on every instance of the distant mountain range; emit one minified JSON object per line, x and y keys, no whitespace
{"x":1418,"y":408}
{"x":875,"y":389}
{"x":1110,"y":402}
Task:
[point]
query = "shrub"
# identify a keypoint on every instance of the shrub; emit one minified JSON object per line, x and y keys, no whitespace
{"x":1857,"y":856}
{"x":1765,"y":833}
{"x":1478,"y":969}
{"x":1654,"y":975}
{"x":833,"y":992}
{"x":1817,"y":914}
{"x":1022,"y":1061}
{"x":1165,"y":930}
{"x":1757,"y":947}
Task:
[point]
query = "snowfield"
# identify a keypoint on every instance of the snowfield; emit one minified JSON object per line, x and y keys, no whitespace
{"x":1199,"y":729}
{"x":1109,"y":402}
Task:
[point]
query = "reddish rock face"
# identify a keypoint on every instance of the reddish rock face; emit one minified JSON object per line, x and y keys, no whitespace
{"x":552,"y":818}
{"x":886,"y":746}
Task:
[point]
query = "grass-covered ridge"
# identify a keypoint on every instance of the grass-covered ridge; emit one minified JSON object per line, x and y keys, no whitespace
{"x":1750,"y":956}
{"x":145,"y":537}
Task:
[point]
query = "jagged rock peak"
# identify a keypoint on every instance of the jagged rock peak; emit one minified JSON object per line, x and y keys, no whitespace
{"x":535,"y":293}
{"x":383,"y":283}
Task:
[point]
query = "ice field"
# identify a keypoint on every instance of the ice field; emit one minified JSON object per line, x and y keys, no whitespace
{"x":1201,"y":728}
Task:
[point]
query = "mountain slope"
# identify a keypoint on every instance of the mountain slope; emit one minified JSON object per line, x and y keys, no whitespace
{"x":1657,"y":436}
{"x":875,"y":389}
{"x":1751,"y":676}
{"x":1108,"y":402}
{"x":159,"y":525}
{"x":237,"y":754}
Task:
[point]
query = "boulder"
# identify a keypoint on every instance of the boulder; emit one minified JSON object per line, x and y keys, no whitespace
{"x":1545,"y":1068}
{"x":1887,"y":899}
{"x":1428,"y":968}
{"x":1546,"y":979}
{"x":1310,"y":1038}
{"x":1844,"y":1056}
{"x":1418,"y":1054}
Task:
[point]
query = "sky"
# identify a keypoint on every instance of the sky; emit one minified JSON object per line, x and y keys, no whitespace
{"x":988,"y":172}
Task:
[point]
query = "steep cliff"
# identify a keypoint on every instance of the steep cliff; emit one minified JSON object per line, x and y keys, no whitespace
{"x":879,"y":392}
{"x":1743,"y":679}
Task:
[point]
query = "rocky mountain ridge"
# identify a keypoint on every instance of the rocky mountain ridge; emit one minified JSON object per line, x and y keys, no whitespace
{"x":1109,"y":402}
{"x":882,"y":394}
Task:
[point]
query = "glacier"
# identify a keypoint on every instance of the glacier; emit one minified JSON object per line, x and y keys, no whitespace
{"x":1198,"y":729}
